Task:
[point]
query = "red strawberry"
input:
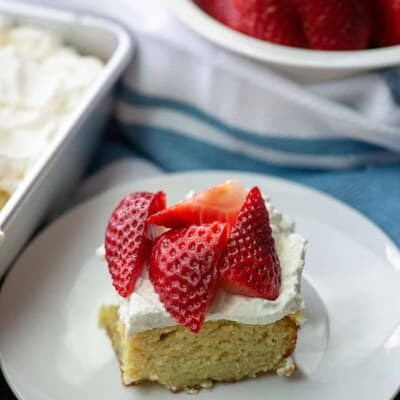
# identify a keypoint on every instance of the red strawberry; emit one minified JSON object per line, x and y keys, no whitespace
{"x":183,"y":270}
{"x":335,"y":24}
{"x":387,"y":22}
{"x":219,"y":203}
{"x":127,"y":244}
{"x":250,"y":265}
{"x":222,"y":10}
{"x":272,"y":20}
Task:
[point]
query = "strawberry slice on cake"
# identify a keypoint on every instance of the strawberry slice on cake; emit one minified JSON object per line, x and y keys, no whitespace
{"x":250,"y":265}
{"x":183,"y":271}
{"x":219,"y":203}
{"x":127,"y":242}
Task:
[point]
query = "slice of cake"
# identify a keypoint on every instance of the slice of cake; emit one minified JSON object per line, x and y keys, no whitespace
{"x":213,"y":295}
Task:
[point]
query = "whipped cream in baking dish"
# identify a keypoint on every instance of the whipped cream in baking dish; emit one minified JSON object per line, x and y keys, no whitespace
{"x":143,"y":310}
{"x":42,"y":81}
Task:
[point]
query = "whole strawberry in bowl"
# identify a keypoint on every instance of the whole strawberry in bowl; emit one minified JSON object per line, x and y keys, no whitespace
{"x":387,"y":22}
{"x":314,"y":24}
{"x":330,"y":38}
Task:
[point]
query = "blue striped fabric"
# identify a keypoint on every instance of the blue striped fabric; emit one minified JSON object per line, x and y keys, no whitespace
{"x":248,"y":150}
{"x":322,"y":146}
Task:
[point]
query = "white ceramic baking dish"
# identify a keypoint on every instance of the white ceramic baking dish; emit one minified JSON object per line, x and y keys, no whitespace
{"x":51,"y":180}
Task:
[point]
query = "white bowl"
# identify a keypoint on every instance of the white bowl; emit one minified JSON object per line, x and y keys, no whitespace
{"x":295,"y":62}
{"x":54,"y":175}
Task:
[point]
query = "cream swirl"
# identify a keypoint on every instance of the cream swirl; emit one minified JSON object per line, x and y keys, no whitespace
{"x":42,"y":82}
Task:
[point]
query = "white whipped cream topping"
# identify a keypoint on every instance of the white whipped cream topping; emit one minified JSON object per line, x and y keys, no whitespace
{"x":42,"y":82}
{"x":143,"y":309}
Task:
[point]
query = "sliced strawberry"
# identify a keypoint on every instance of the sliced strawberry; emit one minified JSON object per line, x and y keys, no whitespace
{"x":183,"y":270}
{"x":335,"y":24}
{"x":272,"y":20}
{"x":219,"y":203}
{"x":127,"y":243}
{"x":318,"y":24}
{"x":387,"y":22}
{"x":250,"y":265}
{"x":222,"y":10}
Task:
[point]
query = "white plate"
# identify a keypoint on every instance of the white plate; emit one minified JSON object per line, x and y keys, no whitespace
{"x":51,"y":347}
{"x":295,"y":61}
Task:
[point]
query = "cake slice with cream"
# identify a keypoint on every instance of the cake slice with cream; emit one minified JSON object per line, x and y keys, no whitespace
{"x":215,"y":296}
